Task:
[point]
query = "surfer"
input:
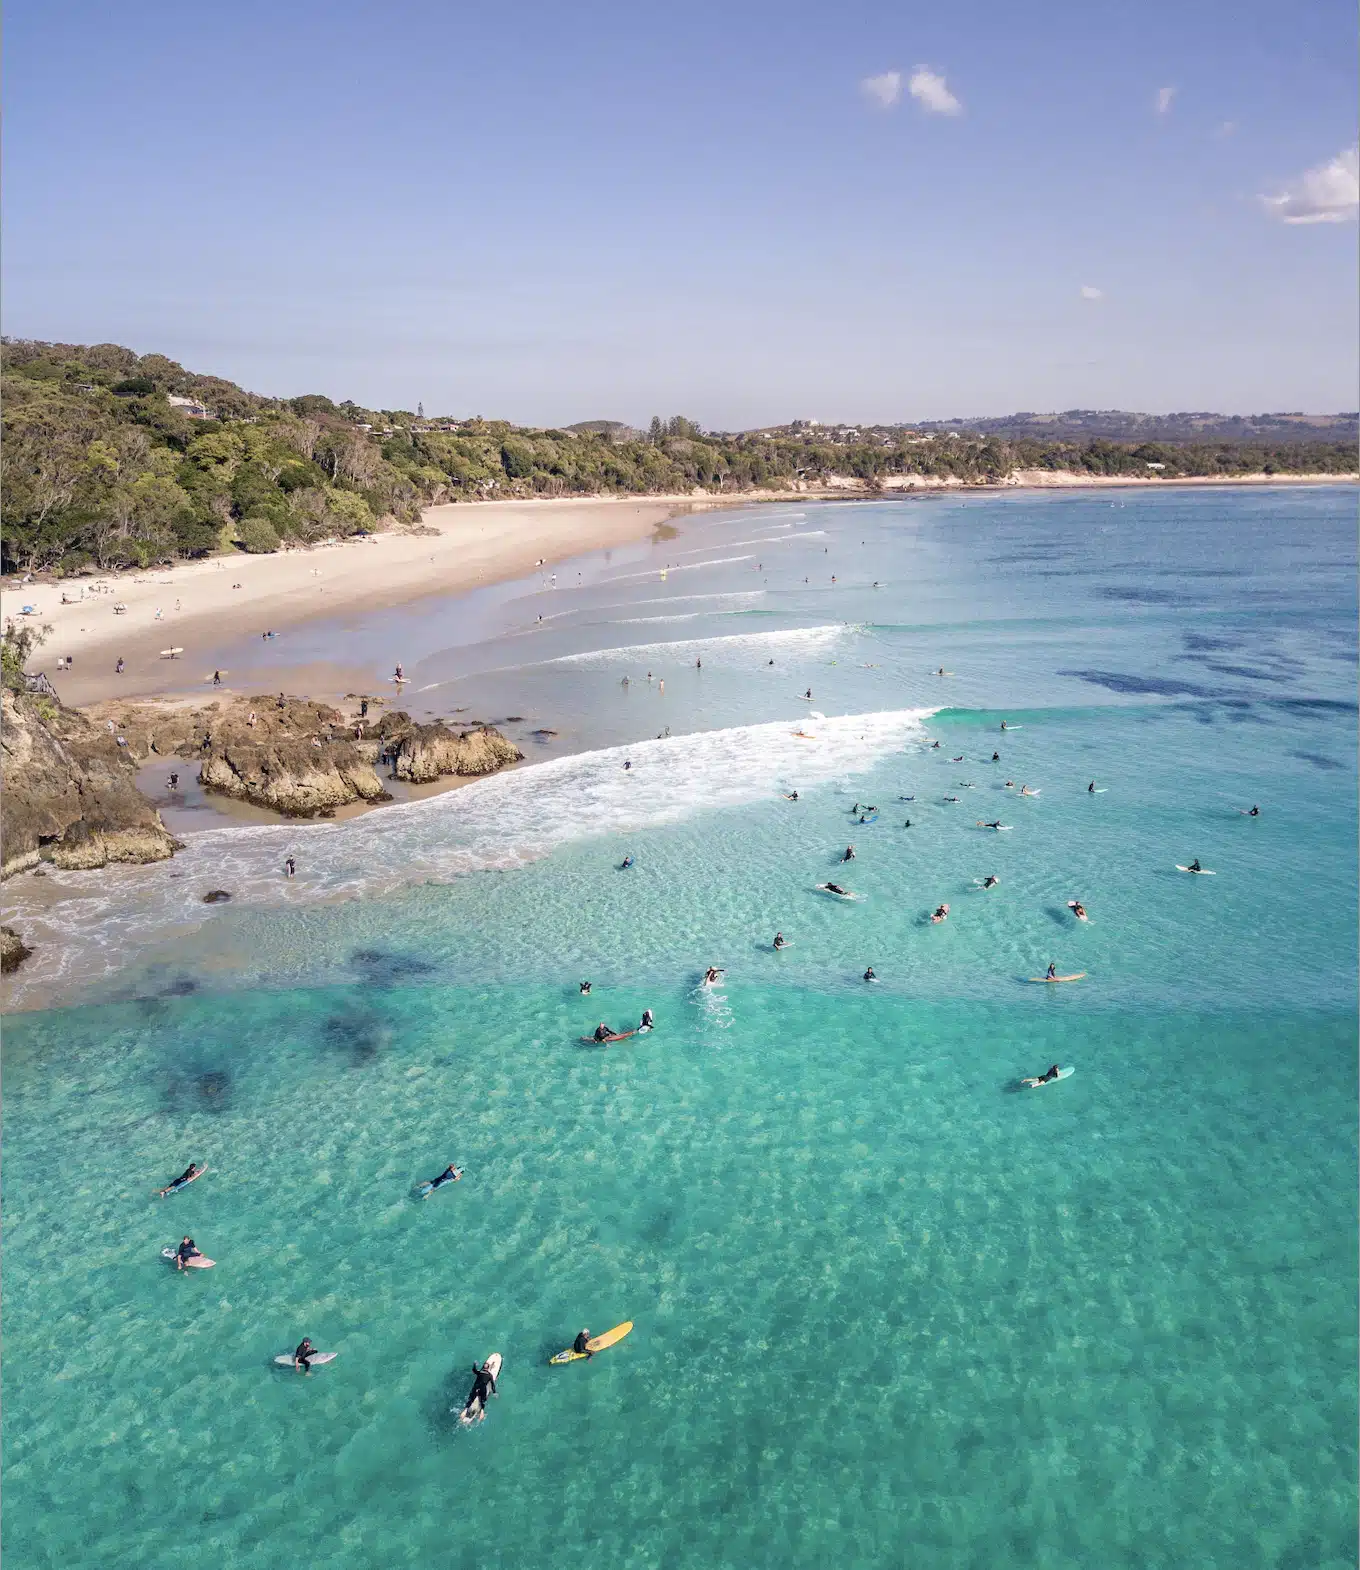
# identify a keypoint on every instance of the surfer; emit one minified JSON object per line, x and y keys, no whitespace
{"x":1003,"y":725}
{"x":604,"y":1033}
{"x":1044,"y":1079}
{"x":399,"y":674}
{"x":647,"y":1021}
{"x":907,"y":824}
{"x":627,"y":763}
{"x":450,"y":1174}
{"x":585,"y":989}
{"x":849,"y":853}
{"x":483,"y":1385}
{"x":698,"y":665}
{"x":869,"y":974}
{"x":808,"y":693}
{"x":711,"y":975}
{"x":1026,"y":791}
{"x":1091,"y":788}
{"x":187,"y":1250}
{"x":1195,"y":866}
{"x":990,"y":881}
{"x":959,"y":759}
{"x":1051,"y":974}
{"x":791,"y":795}
{"x":998,"y":824}
{"x":581,"y":1345}
{"x":302,"y":1358}
{"x":1254,"y":813}
{"x":190,"y":1172}
{"x":934,"y":746}
{"x":953,"y":798}
{"x":625,"y":864}
{"x":835,"y":888}
{"x":290,"y":866}
{"x":1077,"y":909}
{"x":779,"y":941}
{"x":940,"y":913}
{"x":996,"y":757}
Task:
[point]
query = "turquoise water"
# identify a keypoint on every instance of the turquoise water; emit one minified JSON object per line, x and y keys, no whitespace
{"x":888,"y":1308}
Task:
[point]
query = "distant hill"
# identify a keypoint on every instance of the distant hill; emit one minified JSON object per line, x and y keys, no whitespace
{"x":1118,"y":425}
{"x":616,"y":430}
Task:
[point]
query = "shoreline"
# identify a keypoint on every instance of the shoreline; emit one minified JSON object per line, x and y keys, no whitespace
{"x":459,"y":546}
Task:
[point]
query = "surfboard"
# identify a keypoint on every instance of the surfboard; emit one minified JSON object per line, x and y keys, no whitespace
{"x":198,"y":1262}
{"x":1098,"y":791}
{"x":493,"y":1367}
{"x":869,"y":817}
{"x":1063,"y":1073}
{"x":1079,"y":975}
{"x":174,"y":1188}
{"x":286,"y":1361}
{"x":623,"y":1035}
{"x":596,"y":1343}
{"x":780,"y":947}
{"x":427,"y":1188}
{"x":169,"y":654}
{"x":1200,"y":872}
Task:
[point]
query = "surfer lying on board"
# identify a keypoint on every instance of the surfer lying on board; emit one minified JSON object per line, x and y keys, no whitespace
{"x":849,"y":853}
{"x":450,"y":1174}
{"x":190,"y":1172}
{"x":302,"y":1358}
{"x":585,"y":989}
{"x":940,"y":913}
{"x":791,"y":795}
{"x":779,"y":941}
{"x":998,"y":824}
{"x":835,"y":888}
{"x":483,"y":1385}
{"x":187,"y":1250}
{"x":711,"y":975}
{"x":990,"y":881}
{"x":1255,"y":812}
{"x":579,"y":1346}
{"x":1078,"y":910}
{"x":1043,"y":1079}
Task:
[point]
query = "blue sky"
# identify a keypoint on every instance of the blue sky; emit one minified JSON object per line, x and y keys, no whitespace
{"x":745,"y":212}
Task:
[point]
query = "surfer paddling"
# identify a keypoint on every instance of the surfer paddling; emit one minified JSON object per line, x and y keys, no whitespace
{"x":450,"y":1174}
{"x":190,"y":1172}
{"x":1043,"y":1079}
{"x":711,"y":975}
{"x":939,"y":914}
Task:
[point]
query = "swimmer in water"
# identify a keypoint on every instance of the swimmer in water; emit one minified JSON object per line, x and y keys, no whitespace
{"x":290,"y":867}
{"x":1255,"y":812}
{"x":780,"y":941}
{"x":625,"y":864}
{"x":1044,"y":1079}
{"x":869,"y":974}
{"x":627,"y":763}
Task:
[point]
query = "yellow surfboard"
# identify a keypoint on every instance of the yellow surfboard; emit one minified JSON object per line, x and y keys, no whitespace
{"x":596,"y":1343}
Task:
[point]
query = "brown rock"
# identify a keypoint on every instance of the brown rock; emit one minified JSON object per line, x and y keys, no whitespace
{"x":13,"y":950}
{"x":421,"y":753}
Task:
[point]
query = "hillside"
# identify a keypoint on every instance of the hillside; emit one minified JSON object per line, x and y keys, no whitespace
{"x":113,"y":459}
{"x":1121,"y":426}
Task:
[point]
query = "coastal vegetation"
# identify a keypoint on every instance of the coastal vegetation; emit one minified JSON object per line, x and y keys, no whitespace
{"x":113,"y":459}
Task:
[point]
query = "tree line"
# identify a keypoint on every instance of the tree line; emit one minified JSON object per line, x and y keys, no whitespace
{"x":111,"y":460}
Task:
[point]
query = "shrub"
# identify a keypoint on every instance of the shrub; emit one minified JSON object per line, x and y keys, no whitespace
{"x":257,"y":535}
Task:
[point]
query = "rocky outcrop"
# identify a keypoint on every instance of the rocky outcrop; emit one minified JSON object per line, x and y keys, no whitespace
{"x":421,"y":753}
{"x":13,"y":950}
{"x":70,"y":792}
{"x":300,"y":758}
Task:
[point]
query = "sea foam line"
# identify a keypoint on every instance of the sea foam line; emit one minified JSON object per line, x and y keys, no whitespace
{"x":502,"y":822}
{"x":722,"y":644}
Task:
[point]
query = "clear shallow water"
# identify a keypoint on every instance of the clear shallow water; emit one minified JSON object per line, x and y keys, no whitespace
{"x":886,"y":1309}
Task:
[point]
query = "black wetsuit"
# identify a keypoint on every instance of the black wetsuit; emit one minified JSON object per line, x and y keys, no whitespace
{"x":191,"y":1171}
{"x":448,"y":1175}
{"x":579,"y":1345}
{"x":187,"y":1251}
{"x":603,"y":1033}
{"x":304,"y":1355}
{"x":483,"y":1386}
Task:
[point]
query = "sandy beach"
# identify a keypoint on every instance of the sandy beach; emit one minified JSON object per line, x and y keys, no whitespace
{"x":195,"y":604}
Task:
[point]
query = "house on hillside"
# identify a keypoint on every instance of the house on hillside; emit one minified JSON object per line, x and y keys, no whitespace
{"x":190,"y":406}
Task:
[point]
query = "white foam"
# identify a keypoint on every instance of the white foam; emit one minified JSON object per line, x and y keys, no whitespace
{"x":689,"y":566}
{"x":802,"y":638}
{"x":97,"y":922}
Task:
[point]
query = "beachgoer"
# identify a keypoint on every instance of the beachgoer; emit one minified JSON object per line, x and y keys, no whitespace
{"x":363,"y":708}
{"x":581,"y":1344}
{"x":118,"y":669}
{"x":187,"y":1250}
{"x":698,"y":665}
{"x":174,"y":782}
{"x":281,"y":702}
{"x":290,"y":866}
{"x":217,"y":678}
{"x":190,"y":1172}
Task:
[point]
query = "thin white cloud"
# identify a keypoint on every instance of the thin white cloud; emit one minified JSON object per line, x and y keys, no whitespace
{"x":1227,"y":128}
{"x":1329,"y":194}
{"x":883,"y":90}
{"x":930,"y":90}
{"x":1164,"y":97}
{"x":1090,"y":292}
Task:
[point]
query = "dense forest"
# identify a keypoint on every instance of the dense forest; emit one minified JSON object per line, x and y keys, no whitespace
{"x":111,"y":459}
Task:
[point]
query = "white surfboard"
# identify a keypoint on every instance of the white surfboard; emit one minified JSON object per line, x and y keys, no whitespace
{"x":1199,"y":872}
{"x":286,"y":1361}
{"x":1063,"y":1073}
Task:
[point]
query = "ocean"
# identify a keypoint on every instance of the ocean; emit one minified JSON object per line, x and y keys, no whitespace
{"x":889,"y":1307}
